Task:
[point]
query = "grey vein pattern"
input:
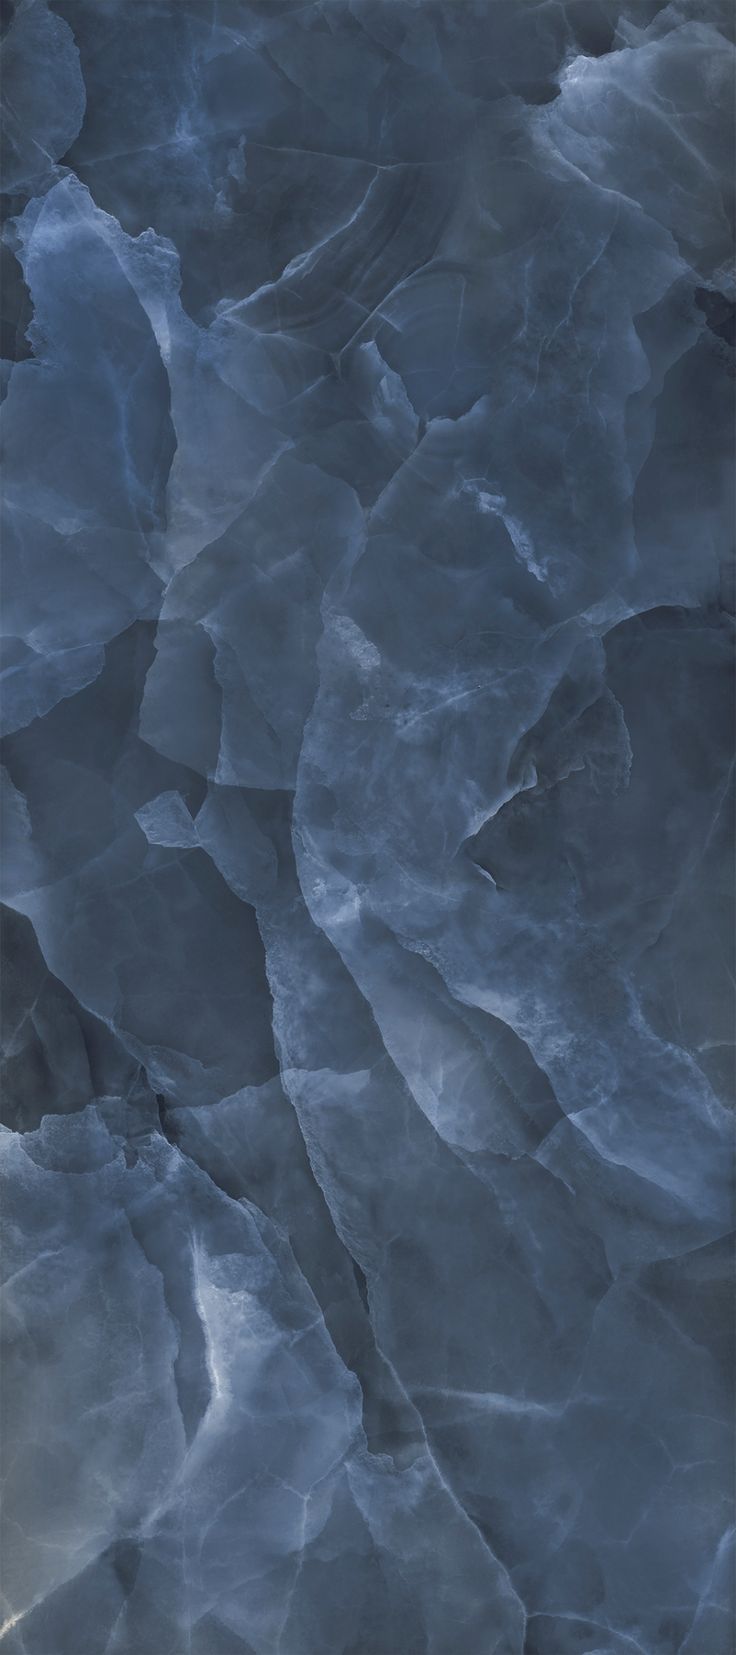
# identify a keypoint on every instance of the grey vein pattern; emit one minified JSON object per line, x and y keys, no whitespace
{"x":368,"y":377}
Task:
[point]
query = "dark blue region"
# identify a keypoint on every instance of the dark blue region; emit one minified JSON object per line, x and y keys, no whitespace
{"x":368,"y":372}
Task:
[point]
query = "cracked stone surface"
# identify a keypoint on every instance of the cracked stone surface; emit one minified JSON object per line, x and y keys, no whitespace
{"x":368,"y":373}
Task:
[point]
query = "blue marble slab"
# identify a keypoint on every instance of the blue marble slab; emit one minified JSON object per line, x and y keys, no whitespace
{"x":368,"y":715}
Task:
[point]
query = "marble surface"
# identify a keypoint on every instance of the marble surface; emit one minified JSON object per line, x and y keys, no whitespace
{"x":368,"y":738}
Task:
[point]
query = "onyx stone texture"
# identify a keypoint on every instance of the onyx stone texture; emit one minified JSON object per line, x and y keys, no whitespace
{"x":368,"y":372}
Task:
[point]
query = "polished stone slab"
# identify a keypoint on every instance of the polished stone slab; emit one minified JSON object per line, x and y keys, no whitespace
{"x":368,"y":1012}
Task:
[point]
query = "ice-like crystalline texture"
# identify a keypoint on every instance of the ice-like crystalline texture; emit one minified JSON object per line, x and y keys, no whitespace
{"x":368,"y":375}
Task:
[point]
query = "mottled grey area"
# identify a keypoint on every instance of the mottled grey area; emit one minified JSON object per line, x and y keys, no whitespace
{"x":368,"y":737}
